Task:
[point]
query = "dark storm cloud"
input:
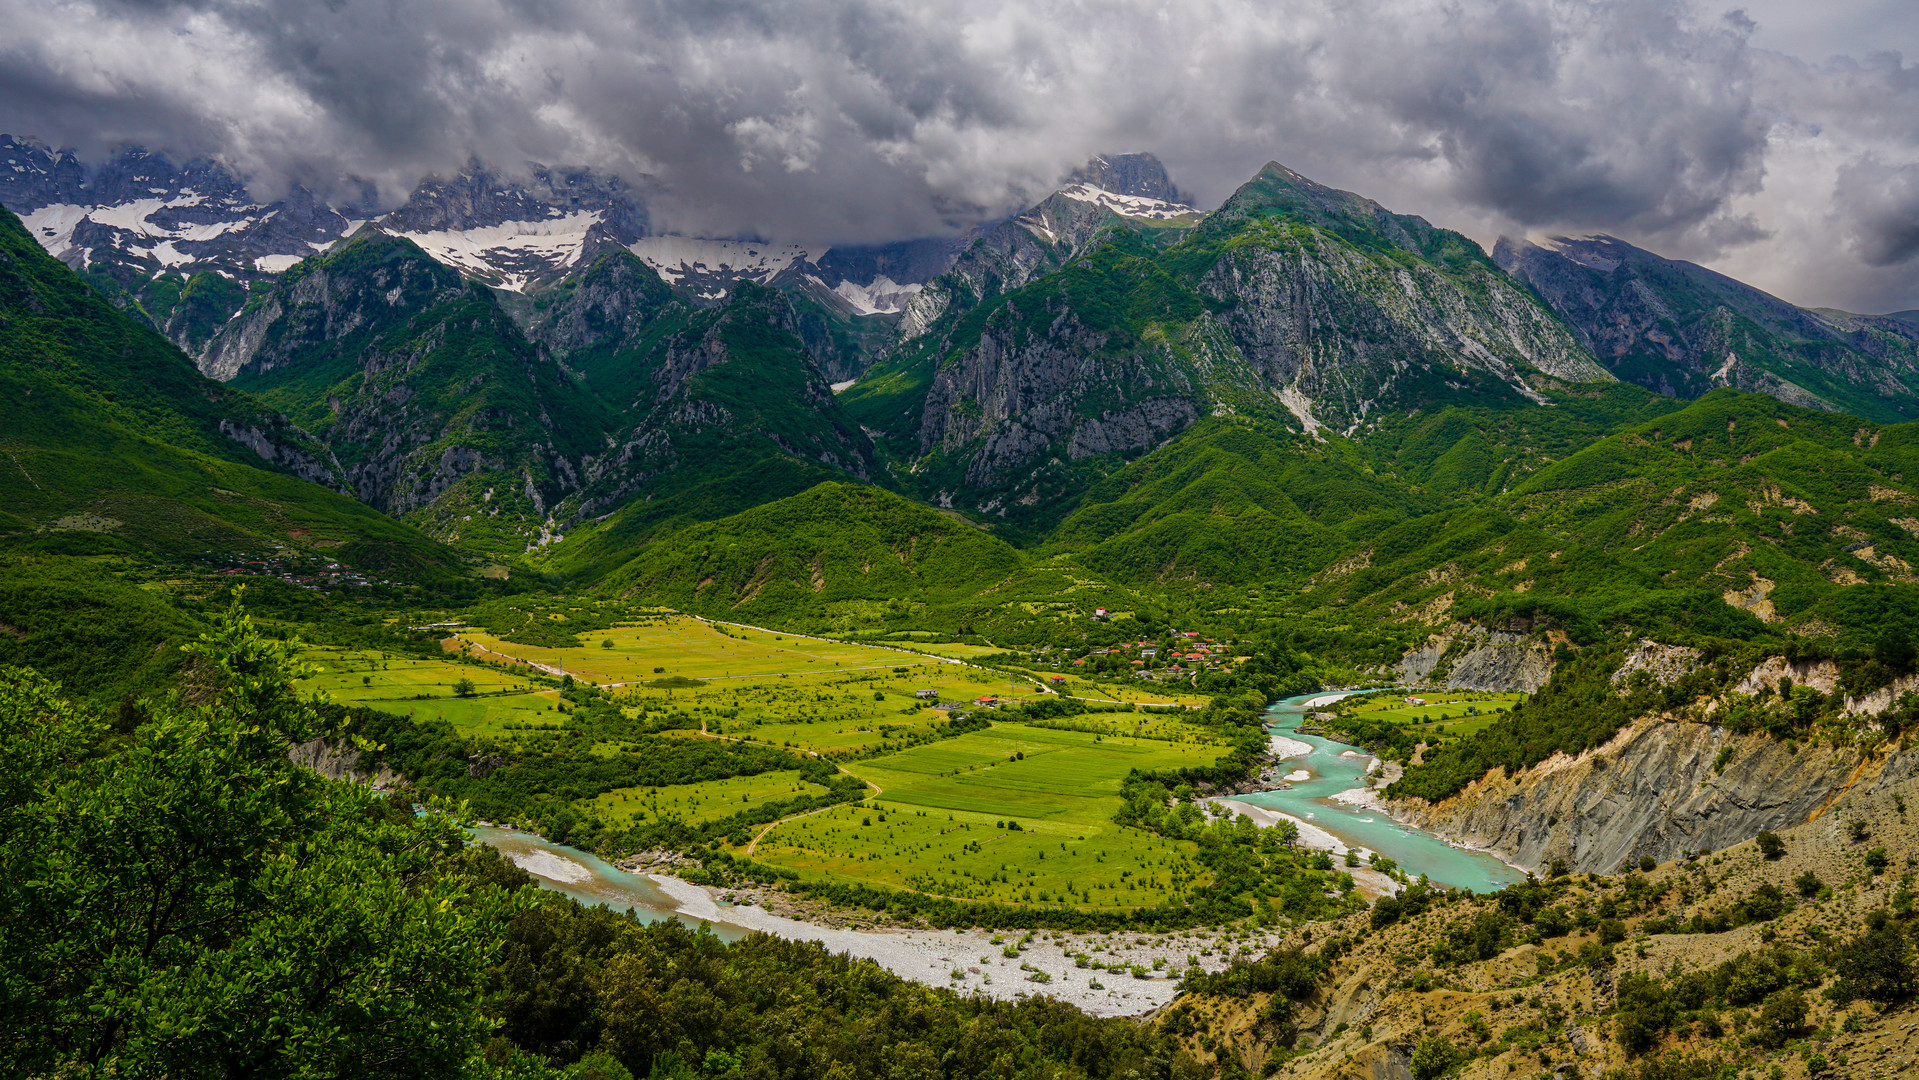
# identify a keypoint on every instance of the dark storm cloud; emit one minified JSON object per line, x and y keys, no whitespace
{"x":1882,"y":206}
{"x":865,"y":120}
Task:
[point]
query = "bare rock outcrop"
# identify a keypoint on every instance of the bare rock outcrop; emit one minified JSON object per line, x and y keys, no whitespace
{"x":1658,"y":788}
{"x":337,"y":759}
{"x":1475,"y":658}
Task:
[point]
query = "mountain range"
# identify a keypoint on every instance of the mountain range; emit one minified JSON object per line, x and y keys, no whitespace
{"x":1300,"y":398}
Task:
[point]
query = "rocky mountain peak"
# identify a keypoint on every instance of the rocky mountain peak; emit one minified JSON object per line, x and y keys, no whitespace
{"x":479,"y":197}
{"x":1139,"y":175}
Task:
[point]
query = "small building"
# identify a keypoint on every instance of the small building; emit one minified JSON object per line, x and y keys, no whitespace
{"x":925,"y":694}
{"x":1056,"y":680}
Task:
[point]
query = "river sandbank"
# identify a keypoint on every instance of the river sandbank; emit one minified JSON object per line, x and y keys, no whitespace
{"x":934,"y":957}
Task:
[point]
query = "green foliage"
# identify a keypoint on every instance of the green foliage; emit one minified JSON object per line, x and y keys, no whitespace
{"x":1650,"y":1009}
{"x":1876,"y":964}
{"x":87,"y":629}
{"x":198,"y":905}
{"x":1434,"y":1057}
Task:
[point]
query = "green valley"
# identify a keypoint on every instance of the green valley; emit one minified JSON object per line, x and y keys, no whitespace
{"x":1141,"y":610}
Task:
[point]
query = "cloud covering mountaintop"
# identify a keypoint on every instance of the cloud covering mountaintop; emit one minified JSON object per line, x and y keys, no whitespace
{"x":865,"y":120}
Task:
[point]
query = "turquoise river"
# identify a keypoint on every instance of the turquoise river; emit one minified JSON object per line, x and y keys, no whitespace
{"x":1334,"y":769}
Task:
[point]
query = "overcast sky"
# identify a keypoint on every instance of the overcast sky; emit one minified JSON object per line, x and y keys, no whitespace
{"x":1778,"y":142}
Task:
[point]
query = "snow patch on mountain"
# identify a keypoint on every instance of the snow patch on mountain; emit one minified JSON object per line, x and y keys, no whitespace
{"x":512,"y":251}
{"x":1133,"y":206}
{"x":53,"y":225}
{"x":883,"y":296}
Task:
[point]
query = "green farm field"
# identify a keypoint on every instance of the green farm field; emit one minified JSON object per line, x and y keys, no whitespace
{"x":1444,"y":717}
{"x":955,"y":650}
{"x":1439,"y":707}
{"x":701,"y":802}
{"x":799,"y":692}
{"x":423,"y":689}
{"x":941,"y":822}
{"x":684,"y":647}
{"x":1034,"y":774}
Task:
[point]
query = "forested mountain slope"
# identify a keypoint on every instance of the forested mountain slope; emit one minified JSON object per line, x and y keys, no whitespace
{"x":836,"y":546}
{"x":610,"y":405}
{"x":110,"y":432}
{"x":421,"y":385}
{"x":728,"y":410}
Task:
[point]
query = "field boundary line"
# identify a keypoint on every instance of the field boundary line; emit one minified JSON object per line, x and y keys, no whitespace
{"x":753,"y":844}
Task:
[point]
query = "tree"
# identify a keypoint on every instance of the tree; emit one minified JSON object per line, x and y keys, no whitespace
{"x":1781,"y":1017}
{"x":1770,"y":845}
{"x":1433,"y":1057}
{"x":464,"y":687}
{"x":1876,"y":965}
{"x":1894,"y":649}
{"x":196,"y":905}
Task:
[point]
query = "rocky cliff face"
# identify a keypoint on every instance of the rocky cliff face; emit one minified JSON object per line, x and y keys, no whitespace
{"x":1475,"y":658}
{"x":1338,"y":327}
{"x":1656,"y":789}
{"x":340,"y":760}
{"x":1681,"y":329}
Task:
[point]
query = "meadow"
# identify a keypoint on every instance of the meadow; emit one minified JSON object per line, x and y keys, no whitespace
{"x":1011,"y":814}
{"x":679,"y":646}
{"x":502,"y":701}
{"x":709,"y":800}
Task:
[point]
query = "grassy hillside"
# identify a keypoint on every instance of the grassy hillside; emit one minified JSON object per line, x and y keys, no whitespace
{"x":833,"y":546}
{"x":1232,"y":501}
